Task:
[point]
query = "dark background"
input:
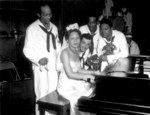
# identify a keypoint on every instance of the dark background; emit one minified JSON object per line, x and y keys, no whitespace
{"x":20,"y":13}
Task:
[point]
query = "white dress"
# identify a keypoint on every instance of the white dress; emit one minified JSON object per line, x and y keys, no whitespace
{"x":72,"y":89}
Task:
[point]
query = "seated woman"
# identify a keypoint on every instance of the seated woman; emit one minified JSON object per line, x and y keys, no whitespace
{"x":72,"y":79}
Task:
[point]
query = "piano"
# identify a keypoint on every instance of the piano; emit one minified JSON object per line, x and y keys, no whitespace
{"x":119,"y":93}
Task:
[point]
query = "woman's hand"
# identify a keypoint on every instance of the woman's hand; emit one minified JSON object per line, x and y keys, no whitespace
{"x":90,"y":78}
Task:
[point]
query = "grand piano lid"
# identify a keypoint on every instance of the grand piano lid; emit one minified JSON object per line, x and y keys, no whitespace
{"x":146,"y":57}
{"x":123,"y":89}
{"x":124,"y":74}
{"x":128,"y":74}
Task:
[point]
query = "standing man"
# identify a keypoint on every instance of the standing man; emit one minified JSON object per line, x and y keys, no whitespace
{"x":92,"y":28}
{"x":113,"y":45}
{"x":41,"y":47}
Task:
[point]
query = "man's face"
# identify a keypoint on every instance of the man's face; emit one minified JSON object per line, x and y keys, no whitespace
{"x":45,"y":15}
{"x":92,"y":24}
{"x":105,"y":31}
{"x":85,"y":44}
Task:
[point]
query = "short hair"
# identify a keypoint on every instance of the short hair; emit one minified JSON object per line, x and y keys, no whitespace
{"x":106,"y":21}
{"x":89,"y":37}
{"x":40,"y":5}
{"x":86,"y":36}
{"x":92,"y":16}
{"x":67,"y":34}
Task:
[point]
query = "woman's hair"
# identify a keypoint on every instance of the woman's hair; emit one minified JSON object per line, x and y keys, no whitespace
{"x":86,"y":36}
{"x":106,"y":21}
{"x":67,"y":33}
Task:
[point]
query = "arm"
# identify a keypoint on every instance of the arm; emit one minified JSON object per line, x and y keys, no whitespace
{"x":137,"y":51}
{"x":83,"y":71}
{"x":68,"y":69}
{"x":30,"y":48}
{"x":123,"y":49}
{"x":92,"y":72}
{"x":134,"y":49}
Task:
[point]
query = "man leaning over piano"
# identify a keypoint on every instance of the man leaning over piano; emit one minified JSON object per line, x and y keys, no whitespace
{"x":112,"y":46}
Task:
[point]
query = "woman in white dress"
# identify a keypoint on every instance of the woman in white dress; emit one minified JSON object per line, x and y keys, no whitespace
{"x":72,"y":79}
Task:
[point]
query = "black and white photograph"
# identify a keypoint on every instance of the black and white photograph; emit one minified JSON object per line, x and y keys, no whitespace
{"x":74,"y":57}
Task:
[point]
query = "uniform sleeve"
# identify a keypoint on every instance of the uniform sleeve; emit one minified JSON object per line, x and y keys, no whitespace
{"x":82,"y":30}
{"x":137,"y":51}
{"x":134,"y":48}
{"x":30,"y":49}
{"x":58,"y":43}
{"x":123,"y":49}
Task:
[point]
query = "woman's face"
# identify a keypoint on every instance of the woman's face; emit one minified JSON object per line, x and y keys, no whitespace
{"x":105,"y":31}
{"x":74,"y":39}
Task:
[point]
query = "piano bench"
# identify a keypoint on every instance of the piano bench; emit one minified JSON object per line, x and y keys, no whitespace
{"x":55,"y":103}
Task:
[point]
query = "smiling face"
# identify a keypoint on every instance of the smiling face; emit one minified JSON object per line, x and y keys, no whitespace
{"x":106,"y":31}
{"x":92,"y":24}
{"x":45,"y":15}
{"x":74,"y":39}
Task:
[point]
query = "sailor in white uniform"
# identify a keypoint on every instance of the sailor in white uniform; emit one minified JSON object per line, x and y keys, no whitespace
{"x":41,"y":47}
